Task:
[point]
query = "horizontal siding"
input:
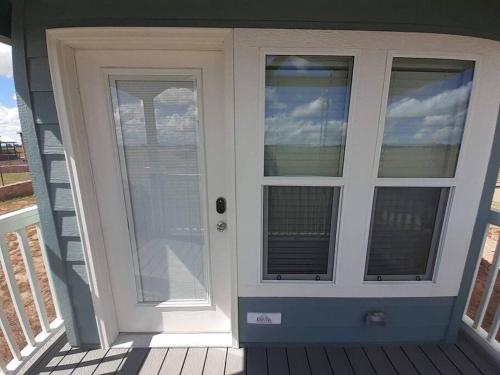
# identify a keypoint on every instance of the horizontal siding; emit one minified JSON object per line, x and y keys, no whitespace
{"x":49,"y":136}
{"x":66,"y":224}
{"x":341,"y":320}
{"x":55,"y":169}
{"x":44,"y":107}
{"x":61,"y":197}
{"x":39,"y":74}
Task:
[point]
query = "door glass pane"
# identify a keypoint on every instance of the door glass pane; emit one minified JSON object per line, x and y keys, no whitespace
{"x":426,"y":111}
{"x":299,"y":232}
{"x":306,"y":108}
{"x":159,"y":148}
{"x":405,"y":230}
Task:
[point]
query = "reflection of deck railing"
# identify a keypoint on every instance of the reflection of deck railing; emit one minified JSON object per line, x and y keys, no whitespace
{"x":23,"y":224}
{"x":487,"y":331}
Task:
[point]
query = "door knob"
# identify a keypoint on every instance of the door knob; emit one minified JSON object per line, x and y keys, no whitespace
{"x":221,"y":226}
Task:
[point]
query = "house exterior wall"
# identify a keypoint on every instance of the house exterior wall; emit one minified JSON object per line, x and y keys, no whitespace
{"x":40,"y":124}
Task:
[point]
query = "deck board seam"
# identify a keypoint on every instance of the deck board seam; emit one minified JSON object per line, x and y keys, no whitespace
{"x":451,"y":360}
{"x":430,"y":359}
{"x":389,"y":359}
{"x":470,"y":359}
{"x":100,"y":361}
{"x":308,"y":361}
{"x":349,"y":360}
{"x":328,"y":359}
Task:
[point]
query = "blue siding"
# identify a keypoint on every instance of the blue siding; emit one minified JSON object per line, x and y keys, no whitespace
{"x":42,"y":133}
{"x":341,"y":320}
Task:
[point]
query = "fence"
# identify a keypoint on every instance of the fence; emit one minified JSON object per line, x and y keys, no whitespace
{"x":24,"y":225}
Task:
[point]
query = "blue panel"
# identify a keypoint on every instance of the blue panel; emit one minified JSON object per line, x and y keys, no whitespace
{"x":342,"y":320}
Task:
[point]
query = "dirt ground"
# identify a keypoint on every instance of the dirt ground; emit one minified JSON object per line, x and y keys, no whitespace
{"x":482,"y":275}
{"x":22,"y":281}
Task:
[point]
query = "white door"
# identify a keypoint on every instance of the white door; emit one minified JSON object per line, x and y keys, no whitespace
{"x":155,"y":122}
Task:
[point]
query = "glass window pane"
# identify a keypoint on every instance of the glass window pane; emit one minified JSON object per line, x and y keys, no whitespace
{"x":405,"y":231}
{"x":426,"y":111}
{"x":299,"y":231}
{"x":306,"y":109}
{"x":158,"y":141}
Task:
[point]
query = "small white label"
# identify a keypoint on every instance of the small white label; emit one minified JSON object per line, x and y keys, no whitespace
{"x":263,"y":318}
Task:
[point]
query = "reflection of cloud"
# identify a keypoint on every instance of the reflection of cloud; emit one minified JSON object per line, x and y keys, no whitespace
{"x":434,"y":119}
{"x":440,"y":104}
{"x":284,"y":130}
{"x":272,"y":100}
{"x":175,"y":96}
{"x":9,"y":124}
{"x":309,"y":109}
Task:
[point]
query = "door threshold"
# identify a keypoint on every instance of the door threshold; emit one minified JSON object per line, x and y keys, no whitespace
{"x":173,"y":340}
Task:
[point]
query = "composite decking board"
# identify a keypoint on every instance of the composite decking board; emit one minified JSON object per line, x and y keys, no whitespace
{"x":133,"y":361}
{"x":194,"y":362}
{"x":235,"y":362}
{"x":420,"y":360}
{"x":297,"y":361}
{"x":277,"y":362}
{"x":43,"y":363}
{"x":399,"y":360}
{"x":379,"y":360}
{"x":439,"y":359}
{"x":174,"y":360}
{"x":90,"y":361}
{"x":215,"y":361}
{"x":52,"y":364}
{"x":318,"y":361}
{"x":70,"y":361}
{"x":460,"y":360}
{"x":476,"y":356}
{"x":153,"y":361}
{"x":359,"y":361}
{"x":256,"y":361}
{"x":111,"y":361}
{"x":339,"y":361}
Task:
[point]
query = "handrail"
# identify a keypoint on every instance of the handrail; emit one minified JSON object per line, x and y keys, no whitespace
{"x":475,"y":325}
{"x":16,"y":222}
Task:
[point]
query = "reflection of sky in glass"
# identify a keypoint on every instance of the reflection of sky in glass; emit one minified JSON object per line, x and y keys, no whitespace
{"x":427,"y":105}
{"x":306,"y":100}
{"x":171,"y":106}
{"x":425,"y":117}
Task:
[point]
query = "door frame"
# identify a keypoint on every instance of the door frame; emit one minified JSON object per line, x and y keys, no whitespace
{"x":62,"y":45}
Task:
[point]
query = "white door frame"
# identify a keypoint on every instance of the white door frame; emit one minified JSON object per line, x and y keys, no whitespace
{"x":62,"y":44}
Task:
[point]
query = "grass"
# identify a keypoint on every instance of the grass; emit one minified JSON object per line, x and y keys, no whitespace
{"x":11,"y":178}
{"x":495,"y":205}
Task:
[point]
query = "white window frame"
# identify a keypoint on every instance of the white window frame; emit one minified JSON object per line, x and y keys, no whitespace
{"x":373,"y":52}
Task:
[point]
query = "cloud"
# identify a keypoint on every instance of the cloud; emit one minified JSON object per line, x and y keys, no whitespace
{"x":9,"y":123}
{"x":5,"y":60}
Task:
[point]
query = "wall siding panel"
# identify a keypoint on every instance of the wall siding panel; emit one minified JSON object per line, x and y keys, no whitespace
{"x":39,"y":74}
{"x":44,"y":107}
{"x":61,"y":197}
{"x":49,"y":136}
{"x":341,"y":320}
{"x":55,"y":169}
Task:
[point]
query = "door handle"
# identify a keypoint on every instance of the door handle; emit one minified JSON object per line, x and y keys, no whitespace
{"x":221,"y":226}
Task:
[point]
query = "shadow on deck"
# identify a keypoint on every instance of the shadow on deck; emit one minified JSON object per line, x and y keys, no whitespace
{"x":463,"y":358}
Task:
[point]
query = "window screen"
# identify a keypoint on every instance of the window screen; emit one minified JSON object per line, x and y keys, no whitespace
{"x":306,"y":109}
{"x":425,"y":118}
{"x":405,"y":230}
{"x":299,"y":232}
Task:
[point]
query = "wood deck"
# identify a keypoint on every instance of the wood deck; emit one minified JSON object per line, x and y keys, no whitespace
{"x":463,"y":358}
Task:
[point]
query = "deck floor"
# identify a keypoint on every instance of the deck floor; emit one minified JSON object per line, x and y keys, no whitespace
{"x":462,"y":358}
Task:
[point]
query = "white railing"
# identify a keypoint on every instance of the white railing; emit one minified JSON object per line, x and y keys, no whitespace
{"x":16,"y":222}
{"x":475,"y":326}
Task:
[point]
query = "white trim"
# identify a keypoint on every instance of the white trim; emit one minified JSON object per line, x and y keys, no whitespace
{"x":62,"y":45}
{"x":372,"y":66}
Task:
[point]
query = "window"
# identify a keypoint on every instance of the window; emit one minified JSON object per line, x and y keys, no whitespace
{"x":306,"y":110}
{"x":425,"y":117}
{"x":405,"y":229}
{"x":299,"y":232}
{"x":424,"y":124}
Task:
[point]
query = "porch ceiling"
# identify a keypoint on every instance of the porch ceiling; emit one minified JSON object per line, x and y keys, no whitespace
{"x":5,"y":18}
